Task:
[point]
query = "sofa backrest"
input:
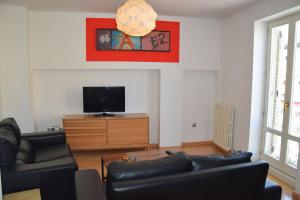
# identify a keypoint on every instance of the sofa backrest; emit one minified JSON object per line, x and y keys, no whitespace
{"x":123,"y":171}
{"x":8,"y":147}
{"x":234,"y":182}
{"x":12,"y":124}
{"x":209,"y":162}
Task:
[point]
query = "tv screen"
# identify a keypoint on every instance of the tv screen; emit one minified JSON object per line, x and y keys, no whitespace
{"x":103,"y":99}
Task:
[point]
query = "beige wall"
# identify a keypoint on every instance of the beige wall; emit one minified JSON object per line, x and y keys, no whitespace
{"x":51,"y":69}
{"x":58,"y":53}
{"x":237,"y":62}
{"x":15,"y":79}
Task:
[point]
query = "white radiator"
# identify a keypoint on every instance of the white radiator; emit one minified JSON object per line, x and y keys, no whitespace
{"x":223,"y":130}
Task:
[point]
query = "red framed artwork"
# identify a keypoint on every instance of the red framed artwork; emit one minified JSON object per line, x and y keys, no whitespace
{"x":105,"y":43}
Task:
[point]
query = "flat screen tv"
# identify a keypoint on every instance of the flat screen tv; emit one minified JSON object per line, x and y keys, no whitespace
{"x":103,"y":99}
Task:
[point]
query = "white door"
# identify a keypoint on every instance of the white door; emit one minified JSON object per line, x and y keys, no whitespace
{"x":282,"y":114}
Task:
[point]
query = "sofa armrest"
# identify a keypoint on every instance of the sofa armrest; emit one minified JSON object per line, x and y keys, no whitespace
{"x":272,"y":191}
{"x":88,"y":185}
{"x":45,"y":138}
{"x":50,"y":176}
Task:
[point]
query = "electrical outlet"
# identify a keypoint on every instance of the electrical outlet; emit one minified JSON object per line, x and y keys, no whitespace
{"x":194,"y":125}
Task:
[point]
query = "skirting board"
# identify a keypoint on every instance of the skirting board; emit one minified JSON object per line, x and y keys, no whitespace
{"x":296,"y":196}
{"x":282,"y":176}
{"x":195,"y":144}
{"x":153,"y":146}
{"x":191,"y":144}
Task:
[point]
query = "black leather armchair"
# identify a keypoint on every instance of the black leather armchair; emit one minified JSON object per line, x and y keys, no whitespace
{"x":36,"y":160}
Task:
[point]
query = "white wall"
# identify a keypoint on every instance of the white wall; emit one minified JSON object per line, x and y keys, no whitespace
{"x":58,"y":54}
{"x":58,"y":41}
{"x":258,"y":88}
{"x":59,"y":92}
{"x":1,"y":58}
{"x":237,"y":63}
{"x":15,"y":86}
{"x":170,"y":106}
{"x":199,"y":97}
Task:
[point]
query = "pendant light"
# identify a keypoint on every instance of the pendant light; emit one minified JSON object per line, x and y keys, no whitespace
{"x":136,"y":18}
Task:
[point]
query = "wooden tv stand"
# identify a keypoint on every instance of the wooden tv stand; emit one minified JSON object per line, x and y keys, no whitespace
{"x":88,"y":132}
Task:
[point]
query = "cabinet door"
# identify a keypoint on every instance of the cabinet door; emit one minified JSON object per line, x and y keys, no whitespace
{"x":128,"y":132}
{"x":86,"y":141}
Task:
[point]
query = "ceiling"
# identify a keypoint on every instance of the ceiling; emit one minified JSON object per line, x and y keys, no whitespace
{"x":194,"y":8}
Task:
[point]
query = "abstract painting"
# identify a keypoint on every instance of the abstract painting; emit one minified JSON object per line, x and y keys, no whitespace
{"x":102,"y":44}
{"x":108,"y":40}
{"x":104,"y":39}
{"x":121,"y":41}
{"x":156,"y":41}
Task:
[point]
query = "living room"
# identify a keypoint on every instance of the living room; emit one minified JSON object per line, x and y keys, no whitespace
{"x":218,"y":53}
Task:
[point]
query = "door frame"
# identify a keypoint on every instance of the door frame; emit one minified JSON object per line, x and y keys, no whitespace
{"x":280,"y":165}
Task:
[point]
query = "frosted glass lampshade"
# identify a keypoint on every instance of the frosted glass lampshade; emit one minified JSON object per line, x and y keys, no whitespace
{"x":136,"y":18}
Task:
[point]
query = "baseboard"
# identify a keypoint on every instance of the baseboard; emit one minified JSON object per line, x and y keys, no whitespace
{"x":220,"y":148}
{"x":195,"y":144}
{"x":169,"y":148}
{"x":185,"y":144}
{"x":190,"y":144}
{"x":296,"y":196}
{"x":282,"y":176}
{"x":153,"y":146}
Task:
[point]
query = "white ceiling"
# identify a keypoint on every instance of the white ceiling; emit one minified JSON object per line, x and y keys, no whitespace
{"x":196,"y":8}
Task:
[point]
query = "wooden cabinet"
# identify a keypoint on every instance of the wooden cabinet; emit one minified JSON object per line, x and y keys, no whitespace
{"x":87,"y":132}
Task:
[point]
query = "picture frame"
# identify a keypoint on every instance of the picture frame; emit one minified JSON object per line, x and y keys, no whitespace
{"x":114,"y":40}
{"x":107,"y":53}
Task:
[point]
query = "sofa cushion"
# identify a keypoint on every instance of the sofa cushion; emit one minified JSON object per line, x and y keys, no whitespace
{"x":120,"y":170}
{"x":52,"y":152}
{"x":25,"y":153}
{"x":23,"y":158}
{"x":88,"y":185}
{"x":8,"y":147}
{"x":12,"y":124}
{"x":25,"y":146}
{"x":207,"y":162}
{"x":239,"y":157}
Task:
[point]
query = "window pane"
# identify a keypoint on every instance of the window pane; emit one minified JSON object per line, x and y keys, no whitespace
{"x":295,"y":105}
{"x":278,"y":64}
{"x":292,"y":154}
{"x":273,"y":145}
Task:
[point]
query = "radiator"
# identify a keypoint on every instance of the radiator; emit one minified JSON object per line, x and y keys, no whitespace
{"x":223,"y":128}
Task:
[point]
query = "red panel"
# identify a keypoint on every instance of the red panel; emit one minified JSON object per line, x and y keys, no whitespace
{"x":139,"y":56}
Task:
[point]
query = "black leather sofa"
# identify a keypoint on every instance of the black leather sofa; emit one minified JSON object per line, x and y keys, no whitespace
{"x":176,"y":177}
{"x":36,"y":160}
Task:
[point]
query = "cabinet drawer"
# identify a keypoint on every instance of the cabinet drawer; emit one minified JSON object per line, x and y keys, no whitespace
{"x":87,"y":141}
{"x":99,"y":124}
{"x":128,"y":132}
{"x":72,"y":131}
